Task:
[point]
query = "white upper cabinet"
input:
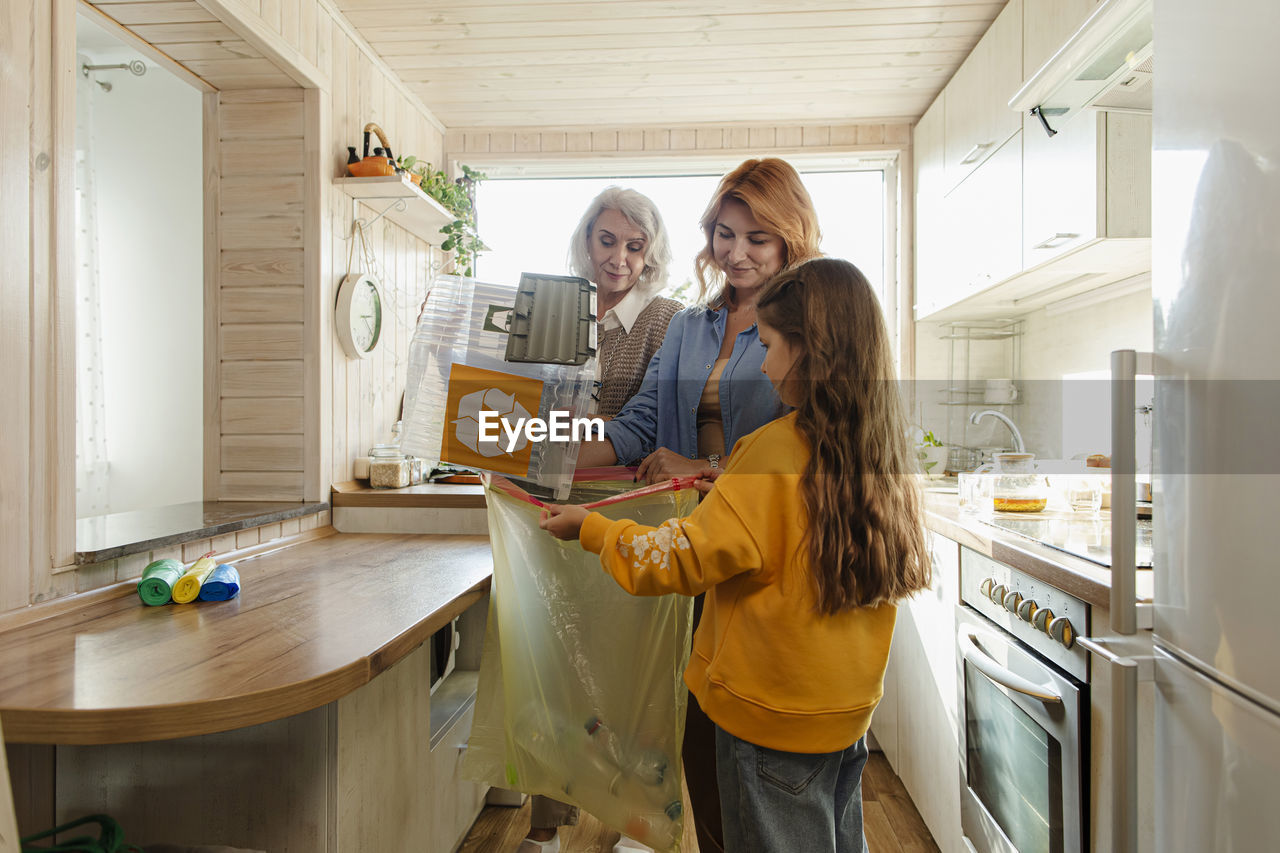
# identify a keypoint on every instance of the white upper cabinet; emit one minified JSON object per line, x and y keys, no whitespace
{"x":1090,"y":181}
{"x":978,"y":119}
{"x":1017,"y":219}
{"x":1046,"y":26}
{"x":931,"y":243}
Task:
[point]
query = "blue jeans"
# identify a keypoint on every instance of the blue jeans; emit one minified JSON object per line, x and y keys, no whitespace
{"x":790,"y":802}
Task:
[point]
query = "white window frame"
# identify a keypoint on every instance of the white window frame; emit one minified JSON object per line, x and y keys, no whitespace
{"x":671,"y":164}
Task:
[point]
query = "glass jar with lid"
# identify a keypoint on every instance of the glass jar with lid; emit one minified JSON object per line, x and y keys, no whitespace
{"x":388,"y":467}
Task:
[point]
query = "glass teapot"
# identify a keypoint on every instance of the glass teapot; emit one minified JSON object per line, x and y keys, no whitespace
{"x":1018,"y":487}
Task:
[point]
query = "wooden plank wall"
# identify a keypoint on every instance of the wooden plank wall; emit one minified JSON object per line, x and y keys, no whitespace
{"x":366,"y":392}
{"x":261,"y":331}
{"x":23,"y":132}
{"x":289,"y":412}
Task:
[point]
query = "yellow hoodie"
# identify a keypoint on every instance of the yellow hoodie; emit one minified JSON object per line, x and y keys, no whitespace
{"x":766,"y":666}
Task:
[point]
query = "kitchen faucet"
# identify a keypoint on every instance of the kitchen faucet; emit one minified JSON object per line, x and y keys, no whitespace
{"x":1017,"y":436}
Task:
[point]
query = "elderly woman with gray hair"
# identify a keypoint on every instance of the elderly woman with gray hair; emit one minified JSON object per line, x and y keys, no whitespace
{"x":621,"y":245}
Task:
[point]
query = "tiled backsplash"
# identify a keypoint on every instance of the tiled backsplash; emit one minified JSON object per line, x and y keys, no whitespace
{"x":1052,"y":346}
{"x":108,"y":572}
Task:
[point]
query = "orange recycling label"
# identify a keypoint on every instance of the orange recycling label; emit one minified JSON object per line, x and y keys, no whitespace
{"x":486,"y":414}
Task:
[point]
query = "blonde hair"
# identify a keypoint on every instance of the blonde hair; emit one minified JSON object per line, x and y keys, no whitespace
{"x":865,"y":519}
{"x":772,"y":189}
{"x":641,"y":212}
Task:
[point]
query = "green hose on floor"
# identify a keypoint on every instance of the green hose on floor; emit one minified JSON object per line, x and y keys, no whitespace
{"x":110,"y":838}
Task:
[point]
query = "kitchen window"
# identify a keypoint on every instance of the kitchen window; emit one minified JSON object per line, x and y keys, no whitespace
{"x":527,"y":215}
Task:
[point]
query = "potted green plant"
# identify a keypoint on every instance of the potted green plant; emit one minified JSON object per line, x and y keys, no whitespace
{"x":458,"y":197}
{"x":931,"y":452}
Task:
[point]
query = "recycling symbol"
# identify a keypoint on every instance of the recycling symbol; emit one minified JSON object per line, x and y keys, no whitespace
{"x":467,"y":425}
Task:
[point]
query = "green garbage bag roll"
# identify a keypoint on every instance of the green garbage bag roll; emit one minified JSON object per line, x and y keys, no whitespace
{"x":156,"y":586}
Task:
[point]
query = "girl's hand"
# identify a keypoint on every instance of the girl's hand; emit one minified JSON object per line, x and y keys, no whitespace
{"x":563,"y":522}
{"x":663,"y":464}
{"x":707,"y":479}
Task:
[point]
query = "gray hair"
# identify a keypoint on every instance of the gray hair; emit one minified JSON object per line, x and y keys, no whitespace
{"x":641,"y":212}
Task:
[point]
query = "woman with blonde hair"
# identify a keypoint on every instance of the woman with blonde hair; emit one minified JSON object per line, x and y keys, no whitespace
{"x":704,"y":389}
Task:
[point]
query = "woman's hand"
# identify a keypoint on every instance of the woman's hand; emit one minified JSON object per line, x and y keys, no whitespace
{"x":563,"y":522}
{"x":707,"y":479}
{"x":663,"y":464}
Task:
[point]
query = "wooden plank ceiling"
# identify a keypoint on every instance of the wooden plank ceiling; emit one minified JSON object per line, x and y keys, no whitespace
{"x":533,"y":63}
{"x":185,"y":31}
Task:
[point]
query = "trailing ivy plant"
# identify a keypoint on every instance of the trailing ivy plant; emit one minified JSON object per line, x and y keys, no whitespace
{"x":458,"y":197}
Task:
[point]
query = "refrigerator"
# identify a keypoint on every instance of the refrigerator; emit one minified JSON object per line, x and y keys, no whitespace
{"x":1216,"y":463}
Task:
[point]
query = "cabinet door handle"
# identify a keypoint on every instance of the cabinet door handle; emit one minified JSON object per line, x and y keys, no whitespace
{"x":1055,"y":241}
{"x":975,"y":152}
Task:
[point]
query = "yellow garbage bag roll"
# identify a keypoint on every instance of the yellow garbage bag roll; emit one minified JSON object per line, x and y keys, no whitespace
{"x":187,"y":589}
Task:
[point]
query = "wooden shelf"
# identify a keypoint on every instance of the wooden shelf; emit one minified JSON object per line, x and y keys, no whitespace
{"x":402,"y":203}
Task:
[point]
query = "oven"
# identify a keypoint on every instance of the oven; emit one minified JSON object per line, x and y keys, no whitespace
{"x":1024,"y":700}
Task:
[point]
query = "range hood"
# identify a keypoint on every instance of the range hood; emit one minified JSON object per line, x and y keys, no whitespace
{"x":1111,"y":51}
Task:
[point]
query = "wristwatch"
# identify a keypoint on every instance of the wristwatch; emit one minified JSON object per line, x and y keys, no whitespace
{"x":713,"y":460}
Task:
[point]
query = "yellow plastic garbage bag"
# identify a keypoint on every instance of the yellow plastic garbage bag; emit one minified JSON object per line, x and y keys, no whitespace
{"x":580,"y":694}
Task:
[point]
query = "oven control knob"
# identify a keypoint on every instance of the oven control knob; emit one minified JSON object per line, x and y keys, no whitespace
{"x":1011,"y":600}
{"x":1027,"y":609}
{"x":998,"y":593}
{"x":1041,"y":619}
{"x":986,"y":586}
{"x":1062,"y":631}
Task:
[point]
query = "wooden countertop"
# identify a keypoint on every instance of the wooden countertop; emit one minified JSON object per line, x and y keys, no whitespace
{"x":1085,"y":580}
{"x":313,"y":622}
{"x":426,"y":495}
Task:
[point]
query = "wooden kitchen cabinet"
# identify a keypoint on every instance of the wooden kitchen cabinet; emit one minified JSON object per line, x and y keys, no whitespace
{"x":1046,"y":26}
{"x":1091,"y":181}
{"x":922,"y":739}
{"x":978,"y":119}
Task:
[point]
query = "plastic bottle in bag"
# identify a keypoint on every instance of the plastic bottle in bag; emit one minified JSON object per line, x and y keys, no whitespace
{"x":594,"y":769}
{"x":647,"y":765}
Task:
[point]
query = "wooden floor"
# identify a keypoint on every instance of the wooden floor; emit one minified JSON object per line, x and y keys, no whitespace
{"x":890,"y":821}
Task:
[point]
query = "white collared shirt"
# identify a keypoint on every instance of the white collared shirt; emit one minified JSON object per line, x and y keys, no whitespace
{"x":624,"y":314}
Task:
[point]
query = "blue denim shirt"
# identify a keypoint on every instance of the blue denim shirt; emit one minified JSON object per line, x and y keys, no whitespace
{"x":664,"y":412}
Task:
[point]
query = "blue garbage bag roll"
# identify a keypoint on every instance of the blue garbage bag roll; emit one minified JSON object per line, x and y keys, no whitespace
{"x":222,"y":584}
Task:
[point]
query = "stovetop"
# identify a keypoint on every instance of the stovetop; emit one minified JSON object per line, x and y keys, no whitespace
{"x":1088,"y":538}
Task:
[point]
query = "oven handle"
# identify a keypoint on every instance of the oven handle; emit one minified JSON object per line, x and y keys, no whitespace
{"x":973,"y":653}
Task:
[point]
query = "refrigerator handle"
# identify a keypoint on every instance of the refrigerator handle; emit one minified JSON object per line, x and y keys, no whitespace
{"x":1126,"y":365}
{"x":1125,"y":672}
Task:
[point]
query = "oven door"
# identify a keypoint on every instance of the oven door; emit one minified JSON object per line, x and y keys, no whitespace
{"x":1023,"y":745}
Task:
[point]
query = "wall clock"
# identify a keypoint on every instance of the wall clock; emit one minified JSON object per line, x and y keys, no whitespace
{"x":358,"y":314}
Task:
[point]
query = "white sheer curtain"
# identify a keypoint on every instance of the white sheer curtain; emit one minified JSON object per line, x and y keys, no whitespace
{"x":92,"y":480}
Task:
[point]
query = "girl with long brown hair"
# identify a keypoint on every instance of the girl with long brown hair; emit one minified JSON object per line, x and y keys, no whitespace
{"x":804,"y":544}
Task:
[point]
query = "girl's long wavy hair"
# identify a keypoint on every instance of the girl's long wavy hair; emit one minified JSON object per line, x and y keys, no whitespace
{"x":866,"y":535}
{"x":772,"y":188}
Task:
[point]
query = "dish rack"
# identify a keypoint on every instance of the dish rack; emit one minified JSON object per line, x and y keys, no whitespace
{"x":972,"y":343}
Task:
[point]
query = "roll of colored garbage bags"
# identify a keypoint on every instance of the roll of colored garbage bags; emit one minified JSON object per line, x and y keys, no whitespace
{"x":188,"y":586}
{"x":158,"y":578}
{"x":222,"y":584}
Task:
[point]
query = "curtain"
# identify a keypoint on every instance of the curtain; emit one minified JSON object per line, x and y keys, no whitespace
{"x":92,"y":481}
